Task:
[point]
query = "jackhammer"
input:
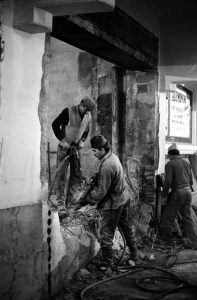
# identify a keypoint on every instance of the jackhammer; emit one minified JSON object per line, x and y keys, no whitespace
{"x":83,"y":199}
{"x":74,"y":164}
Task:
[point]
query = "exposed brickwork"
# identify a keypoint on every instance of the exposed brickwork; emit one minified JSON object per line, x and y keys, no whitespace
{"x":141,"y":130}
{"x":104,"y":106}
{"x":104,"y":100}
{"x":127,"y":107}
{"x":86,"y":63}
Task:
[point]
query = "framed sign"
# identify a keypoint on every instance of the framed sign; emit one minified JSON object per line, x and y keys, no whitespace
{"x":178,"y":115}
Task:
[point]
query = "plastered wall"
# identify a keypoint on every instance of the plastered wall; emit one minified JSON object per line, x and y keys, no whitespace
{"x":25,"y":251}
{"x":21,"y":238}
{"x":20,"y":127}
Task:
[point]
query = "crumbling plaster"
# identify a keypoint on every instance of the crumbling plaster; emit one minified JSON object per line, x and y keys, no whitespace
{"x":24,"y":111}
{"x":142,"y":128}
{"x":67,"y":78}
{"x":142,"y":125}
{"x":70,"y":247}
{"x":25,"y":255}
{"x":21,"y":246}
{"x":135,"y":104}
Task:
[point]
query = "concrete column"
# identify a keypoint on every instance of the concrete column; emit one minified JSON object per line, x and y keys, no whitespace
{"x":141,"y":139}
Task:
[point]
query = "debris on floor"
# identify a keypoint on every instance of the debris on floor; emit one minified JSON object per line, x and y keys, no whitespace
{"x":164,"y":267}
{"x":160,"y":273}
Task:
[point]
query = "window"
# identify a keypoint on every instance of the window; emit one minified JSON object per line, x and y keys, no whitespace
{"x":178,"y":111}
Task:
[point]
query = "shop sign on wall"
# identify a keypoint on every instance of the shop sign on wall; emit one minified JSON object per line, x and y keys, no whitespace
{"x":178,"y":122}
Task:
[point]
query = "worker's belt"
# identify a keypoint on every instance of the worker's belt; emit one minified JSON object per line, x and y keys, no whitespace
{"x":187,"y":188}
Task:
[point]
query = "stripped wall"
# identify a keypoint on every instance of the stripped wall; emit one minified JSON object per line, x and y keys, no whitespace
{"x":25,"y":86}
{"x":21,"y":237}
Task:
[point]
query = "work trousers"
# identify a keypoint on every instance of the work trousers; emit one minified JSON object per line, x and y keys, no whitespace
{"x":74,"y":179}
{"x":110,"y":220}
{"x":179,"y":201}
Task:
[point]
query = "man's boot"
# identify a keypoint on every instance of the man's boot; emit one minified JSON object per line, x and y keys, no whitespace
{"x":134,"y":253}
{"x":107,"y":258}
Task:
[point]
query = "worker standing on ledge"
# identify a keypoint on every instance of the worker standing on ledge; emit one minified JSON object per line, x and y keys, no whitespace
{"x":177,"y":189}
{"x":71,"y":128}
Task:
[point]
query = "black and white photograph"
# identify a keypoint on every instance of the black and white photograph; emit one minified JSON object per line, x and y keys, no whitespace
{"x":98,"y":150}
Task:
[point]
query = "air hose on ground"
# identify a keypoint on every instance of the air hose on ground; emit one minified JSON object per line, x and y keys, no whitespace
{"x":174,"y":280}
{"x":162,"y":284}
{"x":142,"y":283}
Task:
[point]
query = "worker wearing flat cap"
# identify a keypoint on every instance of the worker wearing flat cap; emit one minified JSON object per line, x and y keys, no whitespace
{"x":177,"y":189}
{"x":71,"y":128}
{"x":111,"y":201}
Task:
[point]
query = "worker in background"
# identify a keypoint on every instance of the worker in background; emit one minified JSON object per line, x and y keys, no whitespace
{"x":177,"y":189}
{"x":71,"y":128}
{"x":111,"y":201}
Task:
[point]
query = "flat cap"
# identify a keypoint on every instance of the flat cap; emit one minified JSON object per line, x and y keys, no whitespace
{"x":98,"y":141}
{"x":173,"y":147}
{"x":88,"y":103}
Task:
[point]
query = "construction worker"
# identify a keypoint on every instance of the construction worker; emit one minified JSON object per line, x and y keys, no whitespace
{"x":110,"y":199}
{"x":71,"y":128}
{"x":177,"y":189}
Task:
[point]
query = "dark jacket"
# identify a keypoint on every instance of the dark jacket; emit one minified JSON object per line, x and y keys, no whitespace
{"x":111,"y":185}
{"x":178,"y":175}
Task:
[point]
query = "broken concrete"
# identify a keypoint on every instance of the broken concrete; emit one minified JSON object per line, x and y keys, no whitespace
{"x":72,"y":243}
{"x":90,"y":282}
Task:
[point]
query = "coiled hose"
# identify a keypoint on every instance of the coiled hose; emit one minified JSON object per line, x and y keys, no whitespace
{"x":179,"y":284}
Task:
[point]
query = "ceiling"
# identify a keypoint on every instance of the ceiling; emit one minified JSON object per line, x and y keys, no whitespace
{"x":174,"y":10}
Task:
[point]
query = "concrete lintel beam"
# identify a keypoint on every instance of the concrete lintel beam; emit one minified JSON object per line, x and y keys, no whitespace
{"x":73,"y":7}
{"x":93,"y":29}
